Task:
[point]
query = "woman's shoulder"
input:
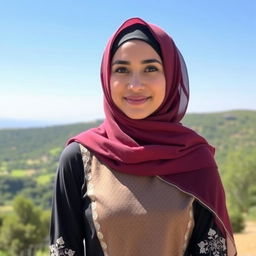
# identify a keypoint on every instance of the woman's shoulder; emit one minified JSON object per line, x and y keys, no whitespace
{"x":70,"y":153}
{"x":70,"y":162}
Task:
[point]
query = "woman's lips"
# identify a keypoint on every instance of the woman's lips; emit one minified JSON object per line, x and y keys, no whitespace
{"x":136,"y":100}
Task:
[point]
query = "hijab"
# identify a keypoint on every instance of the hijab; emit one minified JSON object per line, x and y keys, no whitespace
{"x":135,"y":32}
{"x":158,"y":145}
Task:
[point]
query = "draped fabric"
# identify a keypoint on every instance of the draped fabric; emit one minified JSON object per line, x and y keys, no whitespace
{"x":158,"y":144}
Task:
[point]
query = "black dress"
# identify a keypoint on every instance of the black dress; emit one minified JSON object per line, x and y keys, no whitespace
{"x":72,"y":230}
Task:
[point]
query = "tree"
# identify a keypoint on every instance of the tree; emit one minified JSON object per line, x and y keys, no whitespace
{"x":239,"y":178}
{"x":26,"y":229}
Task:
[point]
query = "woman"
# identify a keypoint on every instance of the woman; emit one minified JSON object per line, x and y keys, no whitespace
{"x":141,"y":183}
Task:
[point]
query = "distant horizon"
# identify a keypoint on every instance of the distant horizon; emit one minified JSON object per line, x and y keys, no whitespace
{"x":15,"y":123}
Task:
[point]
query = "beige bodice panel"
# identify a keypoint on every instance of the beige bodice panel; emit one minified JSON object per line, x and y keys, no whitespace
{"x":137,"y":215}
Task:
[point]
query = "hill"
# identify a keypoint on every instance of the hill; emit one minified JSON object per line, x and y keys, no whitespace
{"x":28,"y":157}
{"x":226,"y":131}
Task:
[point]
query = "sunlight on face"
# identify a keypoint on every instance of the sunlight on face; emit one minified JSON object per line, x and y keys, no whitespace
{"x":137,"y":80}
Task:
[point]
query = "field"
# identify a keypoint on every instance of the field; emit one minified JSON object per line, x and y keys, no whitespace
{"x":246,"y":241}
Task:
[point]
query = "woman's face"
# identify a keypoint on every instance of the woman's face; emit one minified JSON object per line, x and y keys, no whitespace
{"x":137,"y":80}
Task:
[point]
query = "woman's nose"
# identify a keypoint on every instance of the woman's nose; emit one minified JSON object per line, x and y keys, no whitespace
{"x":135,"y":82}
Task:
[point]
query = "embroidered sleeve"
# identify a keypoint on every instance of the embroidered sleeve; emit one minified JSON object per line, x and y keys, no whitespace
{"x":206,"y":239}
{"x":60,"y":249}
{"x":213,"y":244}
{"x":67,"y":229}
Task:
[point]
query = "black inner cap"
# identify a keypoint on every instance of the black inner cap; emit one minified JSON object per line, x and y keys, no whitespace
{"x":139,"y":32}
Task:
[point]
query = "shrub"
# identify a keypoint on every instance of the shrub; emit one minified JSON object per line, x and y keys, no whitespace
{"x":237,"y":221}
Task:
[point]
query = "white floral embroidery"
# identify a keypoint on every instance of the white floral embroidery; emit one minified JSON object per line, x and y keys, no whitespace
{"x":215,"y":245}
{"x":59,"y":249}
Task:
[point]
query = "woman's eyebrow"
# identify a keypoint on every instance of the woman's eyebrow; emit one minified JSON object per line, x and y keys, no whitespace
{"x":125,"y":62}
{"x":151,"y":61}
{"x":122,"y":62}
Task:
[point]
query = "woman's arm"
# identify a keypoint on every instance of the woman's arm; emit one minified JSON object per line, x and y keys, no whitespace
{"x":67,"y":229}
{"x":206,"y":239}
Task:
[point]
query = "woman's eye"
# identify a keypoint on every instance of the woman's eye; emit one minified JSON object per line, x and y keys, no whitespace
{"x":151,"y":69}
{"x":121,"y":70}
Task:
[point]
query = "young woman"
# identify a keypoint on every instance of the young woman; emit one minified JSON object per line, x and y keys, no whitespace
{"x":140,"y":184}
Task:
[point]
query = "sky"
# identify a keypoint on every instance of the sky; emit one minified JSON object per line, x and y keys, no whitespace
{"x":50,"y":53}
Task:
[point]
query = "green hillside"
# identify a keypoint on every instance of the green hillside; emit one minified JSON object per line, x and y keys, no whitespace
{"x":28,"y":160}
{"x":28,"y":157}
{"x":226,"y":131}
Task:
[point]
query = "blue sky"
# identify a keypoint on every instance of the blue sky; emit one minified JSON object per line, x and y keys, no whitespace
{"x":50,"y":53}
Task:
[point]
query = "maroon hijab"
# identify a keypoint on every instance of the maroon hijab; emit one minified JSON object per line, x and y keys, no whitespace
{"x":159,"y":144}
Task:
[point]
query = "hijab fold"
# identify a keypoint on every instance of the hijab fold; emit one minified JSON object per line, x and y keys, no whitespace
{"x":159,"y":144}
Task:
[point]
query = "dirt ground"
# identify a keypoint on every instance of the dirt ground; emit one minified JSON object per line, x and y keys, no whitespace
{"x":246,"y":241}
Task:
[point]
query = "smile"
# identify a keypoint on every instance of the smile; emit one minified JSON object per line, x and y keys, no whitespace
{"x":136,"y":100}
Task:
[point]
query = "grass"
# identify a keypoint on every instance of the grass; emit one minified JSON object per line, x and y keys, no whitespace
{"x":38,"y":253}
{"x":20,"y":173}
{"x":5,"y":209}
{"x":42,"y":253}
{"x":252,"y":214}
{"x":44,"y":179}
{"x":55,"y":151}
